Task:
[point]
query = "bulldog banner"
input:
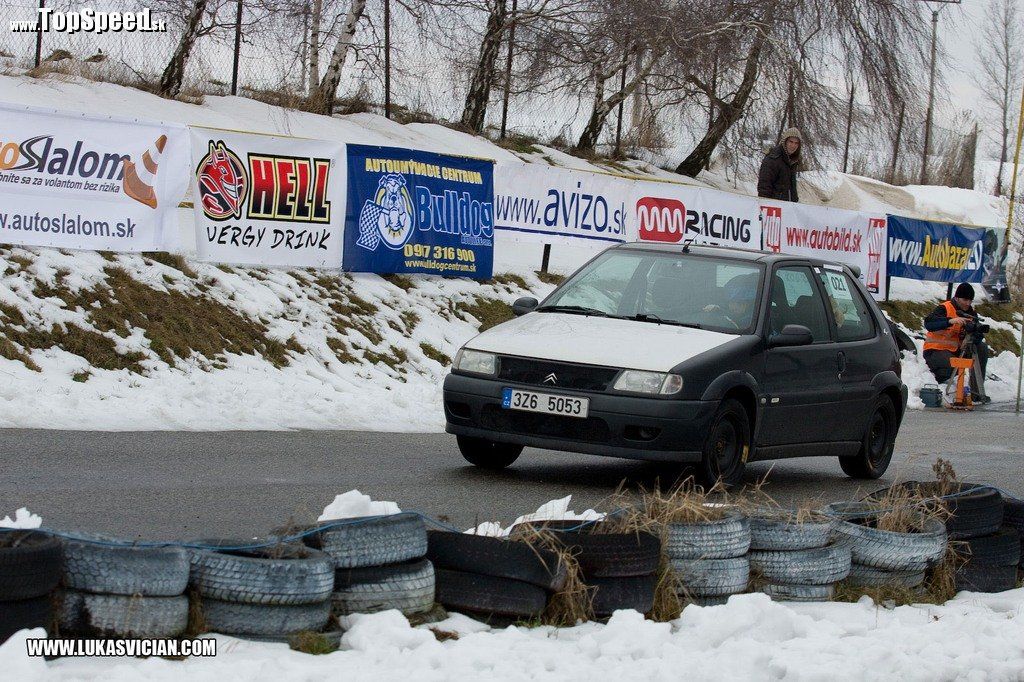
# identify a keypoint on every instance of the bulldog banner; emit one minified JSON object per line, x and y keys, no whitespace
{"x":558,"y":205}
{"x":265,"y":200}
{"x":419,"y":212}
{"x":673,"y":213}
{"x":849,"y":237}
{"x":83,"y":182}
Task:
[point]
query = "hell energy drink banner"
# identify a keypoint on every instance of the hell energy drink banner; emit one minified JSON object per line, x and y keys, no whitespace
{"x":266,"y":200}
{"x":419,"y":212}
{"x":85,"y":182}
{"x":850,"y":237}
{"x":937,"y":252}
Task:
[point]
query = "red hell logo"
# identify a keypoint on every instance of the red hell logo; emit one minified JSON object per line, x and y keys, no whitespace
{"x":289,"y":188}
{"x":222,"y":183}
{"x":661,"y":220}
{"x":771,"y":224}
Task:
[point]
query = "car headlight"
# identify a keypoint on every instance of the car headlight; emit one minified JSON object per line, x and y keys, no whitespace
{"x":660,"y":383}
{"x":476,"y":362}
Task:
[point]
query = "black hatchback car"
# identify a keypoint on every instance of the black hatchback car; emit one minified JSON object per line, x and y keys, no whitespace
{"x":701,"y":355}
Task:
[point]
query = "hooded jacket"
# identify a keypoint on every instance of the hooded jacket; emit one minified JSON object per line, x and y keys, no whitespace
{"x":777,"y":177}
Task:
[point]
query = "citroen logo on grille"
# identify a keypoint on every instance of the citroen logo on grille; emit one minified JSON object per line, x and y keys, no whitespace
{"x":551,"y":379}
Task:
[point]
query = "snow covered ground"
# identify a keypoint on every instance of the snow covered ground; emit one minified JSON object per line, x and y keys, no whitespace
{"x":974,"y":636}
{"x":316,"y":389}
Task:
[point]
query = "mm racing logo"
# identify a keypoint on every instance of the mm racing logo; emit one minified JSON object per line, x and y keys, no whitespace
{"x":668,"y":220}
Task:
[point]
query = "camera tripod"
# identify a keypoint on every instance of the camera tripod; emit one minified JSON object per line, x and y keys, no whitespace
{"x":966,"y":369}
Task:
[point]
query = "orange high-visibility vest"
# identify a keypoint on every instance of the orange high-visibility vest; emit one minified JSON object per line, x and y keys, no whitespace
{"x":948,"y":338}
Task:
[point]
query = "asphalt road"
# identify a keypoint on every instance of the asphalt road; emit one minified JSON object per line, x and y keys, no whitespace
{"x":186,"y":485}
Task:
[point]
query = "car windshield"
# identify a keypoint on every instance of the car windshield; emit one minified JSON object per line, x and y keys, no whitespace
{"x":719,"y":294}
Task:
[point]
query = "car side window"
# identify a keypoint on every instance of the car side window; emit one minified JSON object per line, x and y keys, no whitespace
{"x":854,"y":321}
{"x":795,"y":299}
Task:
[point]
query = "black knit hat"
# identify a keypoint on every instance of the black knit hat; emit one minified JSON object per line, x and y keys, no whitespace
{"x":964,"y":290}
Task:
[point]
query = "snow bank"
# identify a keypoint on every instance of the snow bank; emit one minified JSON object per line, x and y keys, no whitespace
{"x":553,"y":510}
{"x":354,"y":504}
{"x":23,"y":519}
{"x":973,"y":636}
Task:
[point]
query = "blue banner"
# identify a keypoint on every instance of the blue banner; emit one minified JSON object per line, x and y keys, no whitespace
{"x":418,"y":212}
{"x":937,"y":252}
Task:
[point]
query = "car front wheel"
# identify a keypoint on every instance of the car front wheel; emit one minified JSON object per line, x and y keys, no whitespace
{"x":878,"y":444}
{"x":488,"y":454}
{"x":724,"y":455}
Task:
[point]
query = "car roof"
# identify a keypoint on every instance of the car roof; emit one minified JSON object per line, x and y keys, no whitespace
{"x":732,"y":252}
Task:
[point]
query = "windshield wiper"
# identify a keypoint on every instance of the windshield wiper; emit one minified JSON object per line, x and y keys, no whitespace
{"x":650,"y":317}
{"x":572,"y":309}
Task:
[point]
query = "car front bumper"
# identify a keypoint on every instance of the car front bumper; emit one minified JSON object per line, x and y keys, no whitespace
{"x":631,"y":427}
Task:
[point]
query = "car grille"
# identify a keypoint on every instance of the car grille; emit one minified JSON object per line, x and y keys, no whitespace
{"x":590,"y":429}
{"x":536,"y":372}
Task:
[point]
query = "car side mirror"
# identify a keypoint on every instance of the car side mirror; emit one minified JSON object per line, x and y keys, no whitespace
{"x":791,"y":335}
{"x":526,"y":304}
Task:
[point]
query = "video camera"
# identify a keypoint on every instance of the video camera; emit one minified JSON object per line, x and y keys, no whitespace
{"x":977,"y":329}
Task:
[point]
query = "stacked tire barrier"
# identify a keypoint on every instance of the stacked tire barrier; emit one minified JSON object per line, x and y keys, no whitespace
{"x":30,"y":570}
{"x":115,"y":589}
{"x":262,"y":593}
{"x":709,"y":558}
{"x":1013,"y":516}
{"x":797,"y":560}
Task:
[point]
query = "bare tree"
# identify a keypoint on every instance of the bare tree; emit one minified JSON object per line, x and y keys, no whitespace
{"x":485,"y":72}
{"x":174,"y":73}
{"x":322,"y":99}
{"x":1001,"y":55}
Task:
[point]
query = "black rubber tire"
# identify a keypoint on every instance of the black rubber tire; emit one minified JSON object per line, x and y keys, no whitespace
{"x":299,"y":575}
{"x":974,"y":577}
{"x":975,"y":511}
{"x":877,"y":446}
{"x":803,"y":593}
{"x":609,"y":595}
{"x":100,"y":565}
{"x":723,"y":538}
{"x":486,"y":595}
{"x":407,"y":587}
{"x":1002,"y":548}
{"x":123,"y":616}
{"x":496,"y":557}
{"x":375,"y":541}
{"x":264,"y":620}
{"x":727,"y":446}
{"x":867,"y":576}
{"x":887,"y":549}
{"x":25,"y":613}
{"x":768,"y":532}
{"x":30,"y":565}
{"x":606,"y":555}
{"x":1013,"y":515}
{"x":818,"y":566}
{"x":488,"y":454}
{"x":711,"y":577}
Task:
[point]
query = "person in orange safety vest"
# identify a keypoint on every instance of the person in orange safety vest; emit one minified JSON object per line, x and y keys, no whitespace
{"x":946,"y":326}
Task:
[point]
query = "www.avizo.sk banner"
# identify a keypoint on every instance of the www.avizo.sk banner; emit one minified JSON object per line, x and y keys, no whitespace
{"x":833,"y":234}
{"x":419,"y":212}
{"x":558,"y":205}
{"x":673,"y":213}
{"x":82,"y":182}
{"x":266,"y":200}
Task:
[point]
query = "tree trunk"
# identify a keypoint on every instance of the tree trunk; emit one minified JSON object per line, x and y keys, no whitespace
{"x":322,"y":99}
{"x":726,"y":115}
{"x":174,"y":73}
{"x":314,"y":45}
{"x":484,"y":75}
{"x":603,"y":107}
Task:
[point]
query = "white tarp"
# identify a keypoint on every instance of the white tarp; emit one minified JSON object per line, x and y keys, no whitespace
{"x":84,"y":182}
{"x":266,"y":200}
{"x":673,"y":213}
{"x":558,"y":205}
{"x":849,"y":237}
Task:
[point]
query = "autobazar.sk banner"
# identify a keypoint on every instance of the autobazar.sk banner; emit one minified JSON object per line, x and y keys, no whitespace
{"x":942,"y":252}
{"x":419,"y":212}
{"x":265,"y":200}
{"x":83,"y":182}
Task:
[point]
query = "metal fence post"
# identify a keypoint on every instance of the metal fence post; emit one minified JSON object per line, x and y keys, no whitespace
{"x":238,"y":49}
{"x":39,"y":38}
{"x":387,"y":59}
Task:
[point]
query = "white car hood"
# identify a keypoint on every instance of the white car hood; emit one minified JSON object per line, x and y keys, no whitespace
{"x":598,"y":341}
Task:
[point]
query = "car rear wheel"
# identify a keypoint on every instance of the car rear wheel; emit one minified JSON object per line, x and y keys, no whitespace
{"x":727,"y":445}
{"x":877,"y":446}
{"x":488,"y":454}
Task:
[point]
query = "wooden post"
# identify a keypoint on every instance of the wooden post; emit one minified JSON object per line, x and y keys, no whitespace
{"x":546,"y":258}
{"x":849,"y":126}
{"x":238,"y":49}
{"x":618,"y":126}
{"x":39,"y":37}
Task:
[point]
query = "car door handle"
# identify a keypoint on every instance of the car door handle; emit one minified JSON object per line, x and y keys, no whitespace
{"x":841,"y":359}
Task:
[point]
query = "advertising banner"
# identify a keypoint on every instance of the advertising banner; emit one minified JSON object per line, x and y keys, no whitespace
{"x":936,"y":252}
{"x":848,"y":237}
{"x":83,"y":182}
{"x":557,"y":205}
{"x":673,"y":213}
{"x":993,"y":261}
{"x":265,"y":200}
{"x":419,"y":212}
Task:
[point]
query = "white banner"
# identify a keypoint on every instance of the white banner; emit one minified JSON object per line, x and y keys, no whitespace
{"x":84,"y":182}
{"x":265,"y":200}
{"x":673,"y":213}
{"x":558,"y":205}
{"x":848,"y":237}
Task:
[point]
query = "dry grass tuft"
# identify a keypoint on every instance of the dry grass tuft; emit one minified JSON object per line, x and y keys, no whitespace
{"x":687,"y":502}
{"x":196,"y":621}
{"x":313,"y":643}
{"x":668,"y":603}
{"x":571,"y":604}
{"x":550,"y":277}
{"x":435,"y":354}
{"x":488,"y":311}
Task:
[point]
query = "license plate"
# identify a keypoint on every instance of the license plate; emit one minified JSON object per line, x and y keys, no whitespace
{"x":528,"y":401}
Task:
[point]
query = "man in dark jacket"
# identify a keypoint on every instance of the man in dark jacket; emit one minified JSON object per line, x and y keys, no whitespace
{"x":947,"y":330}
{"x":777,"y":178}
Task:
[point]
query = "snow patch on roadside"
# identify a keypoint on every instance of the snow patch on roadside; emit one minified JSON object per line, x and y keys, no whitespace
{"x":23,"y":520}
{"x":553,"y":510}
{"x":354,"y":504}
